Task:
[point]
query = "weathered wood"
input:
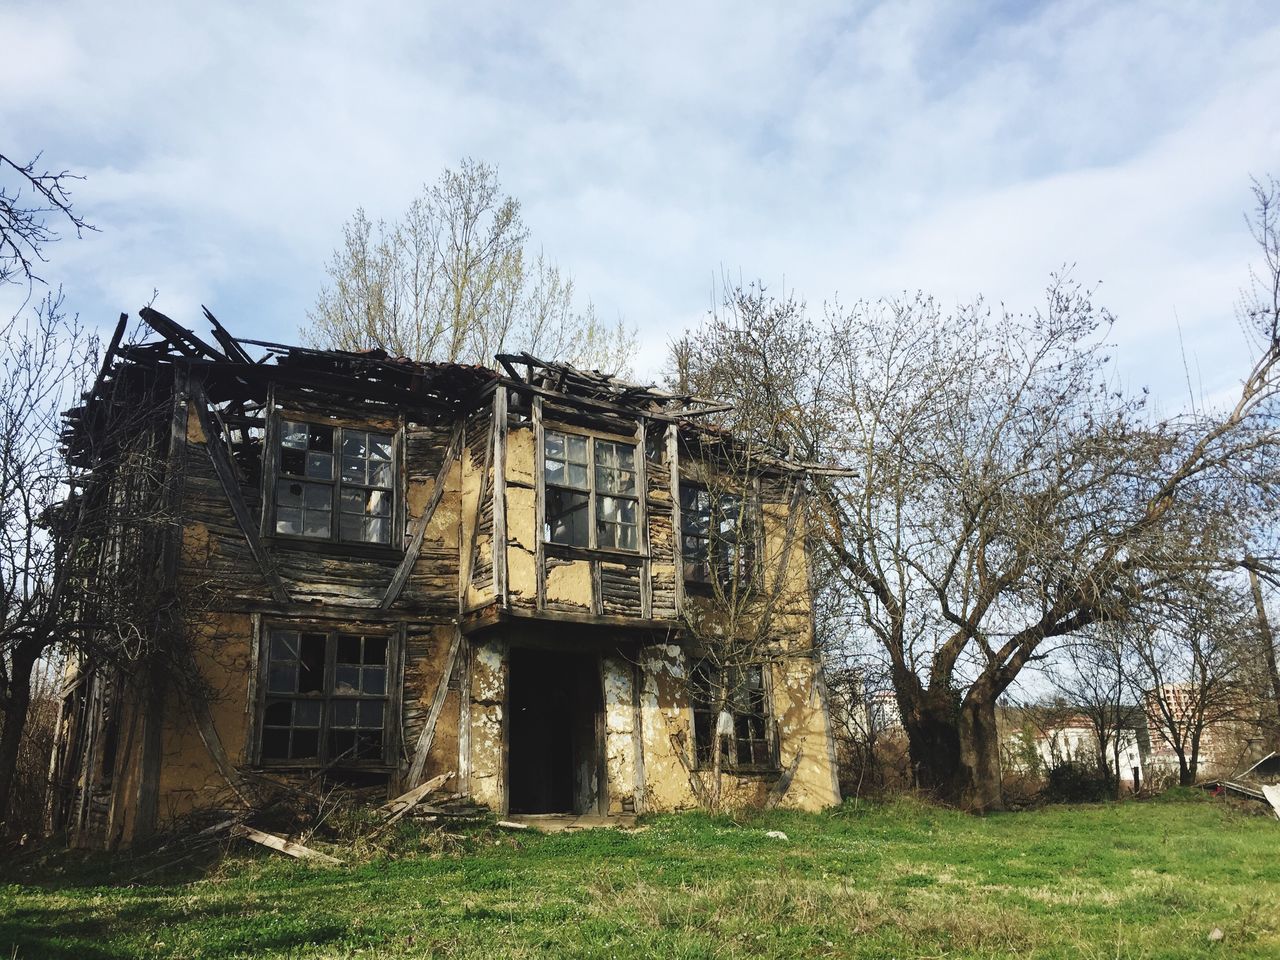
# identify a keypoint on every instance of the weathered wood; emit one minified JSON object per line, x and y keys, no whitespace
{"x":784,"y":783}
{"x":428,"y":733}
{"x":285,"y":846}
{"x":695,"y":782}
{"x":673,"y":464}
{"x":539,"y":508}
{"x":500,"y":495}
{"x":222,"y":466}
{"x":410,"y":798}
{"x":401,"y":576}
{"x":473,"y":551}
{"x":200,"y":713}
{"x":642,"y":514}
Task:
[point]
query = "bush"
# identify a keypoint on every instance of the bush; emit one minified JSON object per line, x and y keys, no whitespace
{"x":1073,"y":782}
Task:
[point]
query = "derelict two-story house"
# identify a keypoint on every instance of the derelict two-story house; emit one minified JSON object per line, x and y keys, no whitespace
{"x":388,"y":570}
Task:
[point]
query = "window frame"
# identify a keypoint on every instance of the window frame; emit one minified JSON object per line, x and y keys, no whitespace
{"x":722,"y":553}
{"x":275,"y":475}
{"x":592,"y":491}
{"x":390,"y":697}
{"x":704,"y":708}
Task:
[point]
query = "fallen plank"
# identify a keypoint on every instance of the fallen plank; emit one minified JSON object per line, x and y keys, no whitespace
{"x":784,"y":783}
{"x":1271,"y":791}
{"x":285,"y":846}
{"x":511,"y":825}
{"x":410,"y":798}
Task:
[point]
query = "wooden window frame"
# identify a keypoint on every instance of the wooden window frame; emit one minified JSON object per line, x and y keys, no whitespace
{"x":729,"y":747}
{"x":746,"y":571}
{"x":592,"y":492}
{"x":274,"y":474}
{"x":390,"y":698}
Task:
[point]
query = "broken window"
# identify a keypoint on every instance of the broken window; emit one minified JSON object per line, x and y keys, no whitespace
{"x":719,"y":544}
{"x":322,"y":467}
{"x":326,"y":698}
{"x":592,"y":499}
{"x":742,"y":724}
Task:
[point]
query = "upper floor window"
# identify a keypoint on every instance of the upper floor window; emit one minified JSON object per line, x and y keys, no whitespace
{"x":335,"y":483}
{"x":326,"y":696}
{"x":718,"y":542}
{"x":592,"y":498}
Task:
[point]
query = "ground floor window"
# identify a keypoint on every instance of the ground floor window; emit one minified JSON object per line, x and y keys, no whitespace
{"x":744,"y":724}
{"x":326,"y":698}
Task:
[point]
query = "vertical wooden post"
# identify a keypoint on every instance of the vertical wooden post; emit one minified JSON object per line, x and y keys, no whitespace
{"x":539,"y":507}
{"x":642,"y":517}
{"x":637,"y":732}
{"x":500,"y":495}
{"x":673,"y":463}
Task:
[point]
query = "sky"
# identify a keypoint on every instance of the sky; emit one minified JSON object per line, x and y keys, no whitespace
{"x":850,"y":150}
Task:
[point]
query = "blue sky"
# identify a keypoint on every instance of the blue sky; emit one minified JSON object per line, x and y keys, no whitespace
{"x":850,"y":149}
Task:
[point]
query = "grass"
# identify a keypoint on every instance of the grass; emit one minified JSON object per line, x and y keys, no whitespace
{"x":900,"y":879}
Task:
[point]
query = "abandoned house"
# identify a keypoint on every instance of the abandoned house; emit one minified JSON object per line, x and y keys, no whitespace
{"x":301,"y":561}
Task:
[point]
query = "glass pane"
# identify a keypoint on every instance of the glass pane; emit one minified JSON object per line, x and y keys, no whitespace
{"x":311,"y":677}
{"x":576,"y":449}
{"x":577,"y":476}
{"x":317,"y":496}
{"x":369,"y":746}
{"x":353,"y":501}
{"x":306,"y":745}
{"x":371,"y":714}
{"x":320,"y":438}
{"x":352,"y":527}
{"x":567,"y":517}
{"x":377,"y":530}
{"x":553,"y":472}
{"x":317,"y":523}
{"x":627,"y":537}
{"x":306,"y":713}
{"x":320,"y":466}
{"x":282,"y":678}
{"x":353,"y":469}
{"x":293,"y":435}
{"x":293,"y":462}
{"x":375,"y":680}
{"x":342,"y":744}
{"x":346,"y":679}
{"x":342,"y":713}
{"x":378,"y":503}
{"x":284,"y":645}
{"x":379,"y":447}
{"x":553,"y":443}
{"x":375,"y":650}
{"x":380,"y":473}
{"x":275,"y":744}
{"x":348,"y":648}
{"x":353,"y":444}
{"x":279,"y":713}
{"x":288,"y":493}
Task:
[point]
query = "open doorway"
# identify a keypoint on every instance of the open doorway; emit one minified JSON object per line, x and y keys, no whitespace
{"x":553,"y":754}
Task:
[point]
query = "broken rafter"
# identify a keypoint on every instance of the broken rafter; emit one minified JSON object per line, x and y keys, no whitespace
{"x":188,"y":343}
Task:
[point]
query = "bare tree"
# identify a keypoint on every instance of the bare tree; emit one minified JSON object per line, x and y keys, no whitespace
{"x":454,"y":280}
{"x":1007,"y":495}
{"x":32,"y":200}
{"x":44,"y":361}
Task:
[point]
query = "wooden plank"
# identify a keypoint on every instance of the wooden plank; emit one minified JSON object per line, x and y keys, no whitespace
{"x":473,"y":553}
{"x":401,"y":576}
{"x":642,"y":515}
{"x":784,"y":782}
{"x":677,"y":537}
{"x":500,"y":495}
{"x":428,"y":733}
{"x":285,"y":846}
{"x":539,"y":509}
{"x":222,"y":466}
{"x":410,"y":798}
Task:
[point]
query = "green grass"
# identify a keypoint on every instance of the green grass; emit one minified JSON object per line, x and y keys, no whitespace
{"x":892,"y":880}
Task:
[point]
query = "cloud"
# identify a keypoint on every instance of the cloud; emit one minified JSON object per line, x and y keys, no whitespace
{"x":862,"y":149}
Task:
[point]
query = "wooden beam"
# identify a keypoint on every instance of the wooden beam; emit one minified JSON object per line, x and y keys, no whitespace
{"x":428,"y":733}
{"x":500,"y":495}
{"x":780,"y":788}
{"x":285,"y":846}
{"x":405,"y":568}
{"x":539,"y":509}
{"x":222,"y":466}
{"x":677,"y":535}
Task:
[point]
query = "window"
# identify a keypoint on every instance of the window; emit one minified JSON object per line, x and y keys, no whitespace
{"x":321,"y":465}
{"x":591,"y":494}
{"x":718,"y":542}
{"x":326,"y":697}
{"x":747,"y":707}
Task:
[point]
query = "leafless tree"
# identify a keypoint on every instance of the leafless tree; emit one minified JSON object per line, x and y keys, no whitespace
{"x":32,"y":201}
{"x":454,"y":280}
{"x":44,"y":361}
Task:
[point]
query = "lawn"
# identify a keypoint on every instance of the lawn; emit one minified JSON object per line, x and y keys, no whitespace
{"x":1149,"y":879}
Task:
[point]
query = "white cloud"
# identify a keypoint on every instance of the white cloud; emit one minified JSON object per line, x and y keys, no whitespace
{"x":895,"y":145}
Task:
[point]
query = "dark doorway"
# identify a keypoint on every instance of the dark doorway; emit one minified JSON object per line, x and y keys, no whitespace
{"x":555,"y":703}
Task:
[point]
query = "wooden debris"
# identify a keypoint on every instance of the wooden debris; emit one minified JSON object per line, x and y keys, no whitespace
{"x":511,"y":825}
{"x":1271,"y":792}
{"x":784,"y":783}
{"x":407,"y":801}
{"x":285,"y":846}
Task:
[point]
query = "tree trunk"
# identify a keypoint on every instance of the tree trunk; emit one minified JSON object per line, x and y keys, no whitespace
{"x":955,"y":749}
{"x":15,"y":721}
{"x":1267,"y":640}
